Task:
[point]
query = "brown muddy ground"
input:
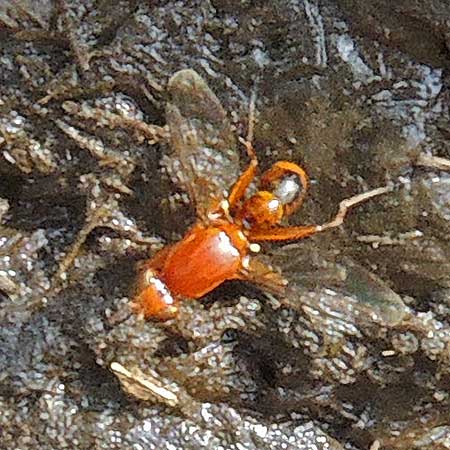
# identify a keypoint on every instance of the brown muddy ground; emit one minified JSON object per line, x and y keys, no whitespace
{"x":356,"y":356}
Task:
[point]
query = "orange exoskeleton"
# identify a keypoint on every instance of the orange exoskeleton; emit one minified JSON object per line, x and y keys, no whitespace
{"x":221,"y":245}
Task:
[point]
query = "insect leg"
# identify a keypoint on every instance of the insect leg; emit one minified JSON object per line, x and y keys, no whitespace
{"x":300,"y":232}
{"x":241,"y":185}
{"x":246,"y":178}
{"x":257,"y":272}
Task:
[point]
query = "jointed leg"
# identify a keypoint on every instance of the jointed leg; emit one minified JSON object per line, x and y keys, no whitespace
{"x":284,"y":233}
{"x":246,"y":178}
{"x":281,"y":169}
{"x":346,"y":204}
{"x":257,"y":272}
{"x":295,"y":233}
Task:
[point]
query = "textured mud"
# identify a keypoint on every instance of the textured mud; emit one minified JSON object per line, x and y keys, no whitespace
{"x":357,"y":356}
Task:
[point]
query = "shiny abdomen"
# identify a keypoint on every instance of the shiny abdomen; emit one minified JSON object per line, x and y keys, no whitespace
{"x":204,"y":259}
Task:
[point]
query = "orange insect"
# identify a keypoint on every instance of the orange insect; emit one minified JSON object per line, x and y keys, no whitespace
{"x":223,"y":243}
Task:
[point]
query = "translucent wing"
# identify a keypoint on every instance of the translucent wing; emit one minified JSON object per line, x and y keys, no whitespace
{"x":205,"y":158}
